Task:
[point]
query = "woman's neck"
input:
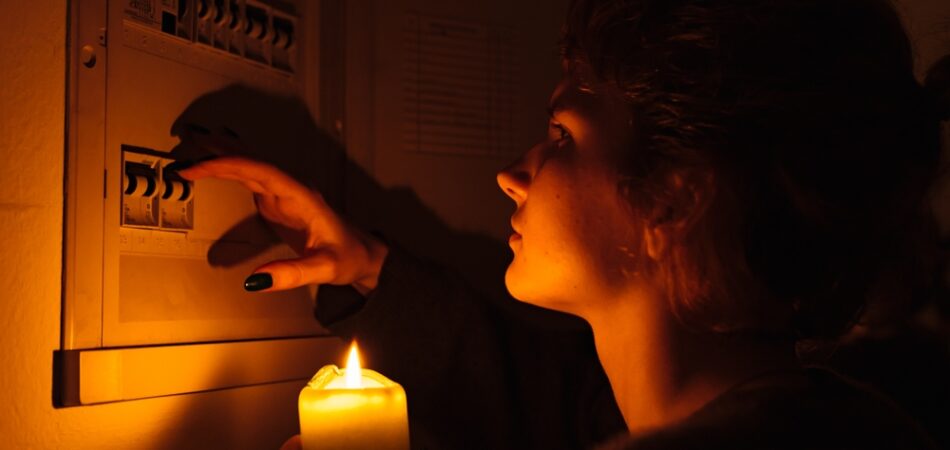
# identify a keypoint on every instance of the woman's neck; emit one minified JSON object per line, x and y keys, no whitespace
{"x":661,"y":373}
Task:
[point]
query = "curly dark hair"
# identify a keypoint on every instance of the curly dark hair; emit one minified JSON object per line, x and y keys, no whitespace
{"x":819,"y":140}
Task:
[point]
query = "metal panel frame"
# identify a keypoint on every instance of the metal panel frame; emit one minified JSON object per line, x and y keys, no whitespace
{"x":120,"y":374}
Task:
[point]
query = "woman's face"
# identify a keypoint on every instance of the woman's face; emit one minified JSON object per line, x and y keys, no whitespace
{"x":573,"y":233}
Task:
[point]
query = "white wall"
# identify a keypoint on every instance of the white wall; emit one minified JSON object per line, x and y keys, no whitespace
{"x":32,"y":71}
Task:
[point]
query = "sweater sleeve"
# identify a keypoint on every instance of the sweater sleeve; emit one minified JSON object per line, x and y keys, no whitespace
{"x":477,"y":373}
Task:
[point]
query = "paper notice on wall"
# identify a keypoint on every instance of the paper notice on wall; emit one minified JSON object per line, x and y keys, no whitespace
{"x":460,"y":83}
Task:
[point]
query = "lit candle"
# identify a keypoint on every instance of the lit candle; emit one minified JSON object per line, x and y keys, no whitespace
{"x":353,"y":409}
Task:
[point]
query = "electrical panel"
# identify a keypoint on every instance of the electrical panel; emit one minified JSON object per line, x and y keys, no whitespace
{"x":152,"y":259}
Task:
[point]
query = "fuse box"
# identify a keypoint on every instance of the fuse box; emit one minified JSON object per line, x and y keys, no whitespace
{"x":153,"y":261}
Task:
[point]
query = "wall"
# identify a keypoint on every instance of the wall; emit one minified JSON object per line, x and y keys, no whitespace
{"x":32,"y":42}
{"x":32,"y":39}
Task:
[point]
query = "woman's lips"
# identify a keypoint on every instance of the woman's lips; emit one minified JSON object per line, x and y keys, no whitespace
{"x":514,"y":239}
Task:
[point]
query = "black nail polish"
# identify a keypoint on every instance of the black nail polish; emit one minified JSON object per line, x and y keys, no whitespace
{"x":183,"y":164}
{"x":179,"y":165}
{"x":258,"y":282}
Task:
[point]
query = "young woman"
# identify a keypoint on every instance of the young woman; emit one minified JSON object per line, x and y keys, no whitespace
{"x":721,"y":181}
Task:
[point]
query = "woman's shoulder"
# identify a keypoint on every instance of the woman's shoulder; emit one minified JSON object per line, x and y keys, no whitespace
{"x":812,"y":408}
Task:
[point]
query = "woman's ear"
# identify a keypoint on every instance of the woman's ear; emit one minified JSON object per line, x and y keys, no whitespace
{"x":657,"y":241}
{"x":686,"y":198}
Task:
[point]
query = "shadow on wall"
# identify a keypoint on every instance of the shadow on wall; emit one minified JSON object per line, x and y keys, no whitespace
{"x":240,"y":120}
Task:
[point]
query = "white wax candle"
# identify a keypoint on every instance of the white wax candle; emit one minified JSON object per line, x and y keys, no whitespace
{"x":353,"y":409}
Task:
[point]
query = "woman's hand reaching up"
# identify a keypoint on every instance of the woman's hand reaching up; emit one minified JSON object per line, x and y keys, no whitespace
{"x":330,"y":250}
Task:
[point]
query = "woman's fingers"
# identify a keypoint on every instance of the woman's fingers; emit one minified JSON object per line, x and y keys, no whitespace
{"x":333,"y":252}
{"x":267,"y":182}
{"x":321,"y":267}
{"x":259,"y":177}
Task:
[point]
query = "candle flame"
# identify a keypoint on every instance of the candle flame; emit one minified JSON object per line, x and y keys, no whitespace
{"x":353,"y":378}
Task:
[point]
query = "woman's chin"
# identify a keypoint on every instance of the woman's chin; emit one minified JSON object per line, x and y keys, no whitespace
{"x":533,"y":293}
{"x":523,"y":288}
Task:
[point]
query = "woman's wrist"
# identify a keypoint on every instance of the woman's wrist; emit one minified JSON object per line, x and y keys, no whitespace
{"x":376,"y":250}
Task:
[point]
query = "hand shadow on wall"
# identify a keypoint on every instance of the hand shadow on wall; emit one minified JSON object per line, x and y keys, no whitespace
{"x":280,"y":130}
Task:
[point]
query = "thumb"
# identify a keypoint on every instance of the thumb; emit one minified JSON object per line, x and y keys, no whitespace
{"x":316,"y":268}
{"x":292,"y":443}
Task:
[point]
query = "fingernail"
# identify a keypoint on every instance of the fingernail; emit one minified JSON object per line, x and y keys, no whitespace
{"x":179,"y":165}
{"x":206,"y":158}
{"x":183,"y":164}
{"x":258,"y":281}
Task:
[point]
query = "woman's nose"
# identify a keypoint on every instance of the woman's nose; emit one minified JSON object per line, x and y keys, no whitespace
{"x":515,"y":179}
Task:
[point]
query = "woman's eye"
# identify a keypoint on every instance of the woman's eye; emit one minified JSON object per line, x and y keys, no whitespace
{"x":558,"y":132}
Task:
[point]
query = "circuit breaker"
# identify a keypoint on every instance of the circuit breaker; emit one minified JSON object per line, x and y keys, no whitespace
{"x":154,"y":262}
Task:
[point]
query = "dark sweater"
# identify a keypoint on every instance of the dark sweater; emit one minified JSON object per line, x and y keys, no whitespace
{"x":478,"y":374}
{"x":805,"y":409}
{"x":481,"y":374}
